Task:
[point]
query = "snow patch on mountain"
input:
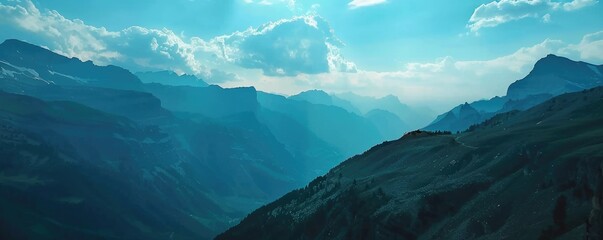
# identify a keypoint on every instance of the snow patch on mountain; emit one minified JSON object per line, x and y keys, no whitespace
{"x":78,"y":79}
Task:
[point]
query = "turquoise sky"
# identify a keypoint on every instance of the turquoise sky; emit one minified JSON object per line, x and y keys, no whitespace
{"x":436,"y":53}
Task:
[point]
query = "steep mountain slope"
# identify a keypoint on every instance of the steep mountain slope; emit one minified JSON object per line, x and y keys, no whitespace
{"x":210,"y":174}
{"x":41,"y":73}
{"x":556,"y":75}
{"x":171,"y":79}
{"x":315,"y":154}
{"x":551,"y":76}
{"x":520,"y":175}
{"x":50,"y":68}
{"x":68,"y":171}
{"x":242,"y":154}
{"x":237,"y":162}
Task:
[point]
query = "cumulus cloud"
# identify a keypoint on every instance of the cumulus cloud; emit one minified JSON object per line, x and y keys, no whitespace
{"x":577,"y":4}
{"x":301,"y":45}
{"x":133,"y":47}
{"x":590,"y":47}
{"x":364,"y":3}
{"x":441,"y":83}
{"x":288,"y":56}
{"x":71,"y":36}
{"x":287,"y":47}
{"x":502,"y":11}
{"x":520,"y":61}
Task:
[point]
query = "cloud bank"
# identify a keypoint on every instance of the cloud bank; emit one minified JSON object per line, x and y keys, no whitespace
{"x":292,"y":55}
{"x":288,"y":47}
{"x":364,"y":3}
{"x":499,"y":12}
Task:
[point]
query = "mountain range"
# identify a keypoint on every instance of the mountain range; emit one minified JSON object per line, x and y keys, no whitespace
{"x":97,"y":152}
{"x":533,"y":174}
{"x":551,"y":76}
{"x":218,"y":153}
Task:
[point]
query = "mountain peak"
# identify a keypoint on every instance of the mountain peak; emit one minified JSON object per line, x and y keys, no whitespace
{"x":314,"y":96}
{"x":467,"y":109}
{"x":12,"y":45}
{"x":13,"y":42}
{"x":555,"y":75}
{"x":552,"y":63}
{"x":315,"y":91}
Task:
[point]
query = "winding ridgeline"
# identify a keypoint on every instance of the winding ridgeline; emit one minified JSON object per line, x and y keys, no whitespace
{"x":533,"y":174}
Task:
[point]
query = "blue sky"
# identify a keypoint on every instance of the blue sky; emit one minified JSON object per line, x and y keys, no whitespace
{"x":436,"y":53}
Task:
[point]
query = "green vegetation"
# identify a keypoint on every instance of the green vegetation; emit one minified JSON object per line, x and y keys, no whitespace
{"x":520,"y":175}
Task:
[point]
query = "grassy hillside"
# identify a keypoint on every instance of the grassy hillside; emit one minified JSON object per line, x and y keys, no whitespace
{"x":520,"y":175}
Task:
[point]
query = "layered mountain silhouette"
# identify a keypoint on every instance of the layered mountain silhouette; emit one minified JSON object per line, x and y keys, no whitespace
{"x":384,"y":113}
{"x":72,"y":172}
{"x":96,"y":152}
{"x":206,"y":155}
{"x":413,"y":118}
{"x":321,"y":97}
{"x":551,"y":76}
{"x":533,"y":174}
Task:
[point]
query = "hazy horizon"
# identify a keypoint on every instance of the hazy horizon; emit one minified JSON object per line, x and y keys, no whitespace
{"x":424,"y":55}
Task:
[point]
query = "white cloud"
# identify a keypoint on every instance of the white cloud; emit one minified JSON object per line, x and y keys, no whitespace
{"x":498,"y":12}
{"x":589,"y":49}
{"x":289,"y":47}
{"x":287,"y":56}
{"x":520,"y":61}
{"x":71,"y":35}
{"x":132,"y":47}
{"x":364,"y":3}
{"x":546,"y":18}
{"x":441,"y":83}
{"x":577,"y":4}
{"x":303,"y":44}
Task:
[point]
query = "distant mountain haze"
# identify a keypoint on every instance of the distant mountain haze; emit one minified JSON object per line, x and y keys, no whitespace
{"x":414,"y":118}
{"x":346,"y":131}
{"x":321,"y":97}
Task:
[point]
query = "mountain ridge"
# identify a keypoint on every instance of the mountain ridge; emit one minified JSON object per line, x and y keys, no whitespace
{"x":546,"y":157}
{"x":551,"y":76}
